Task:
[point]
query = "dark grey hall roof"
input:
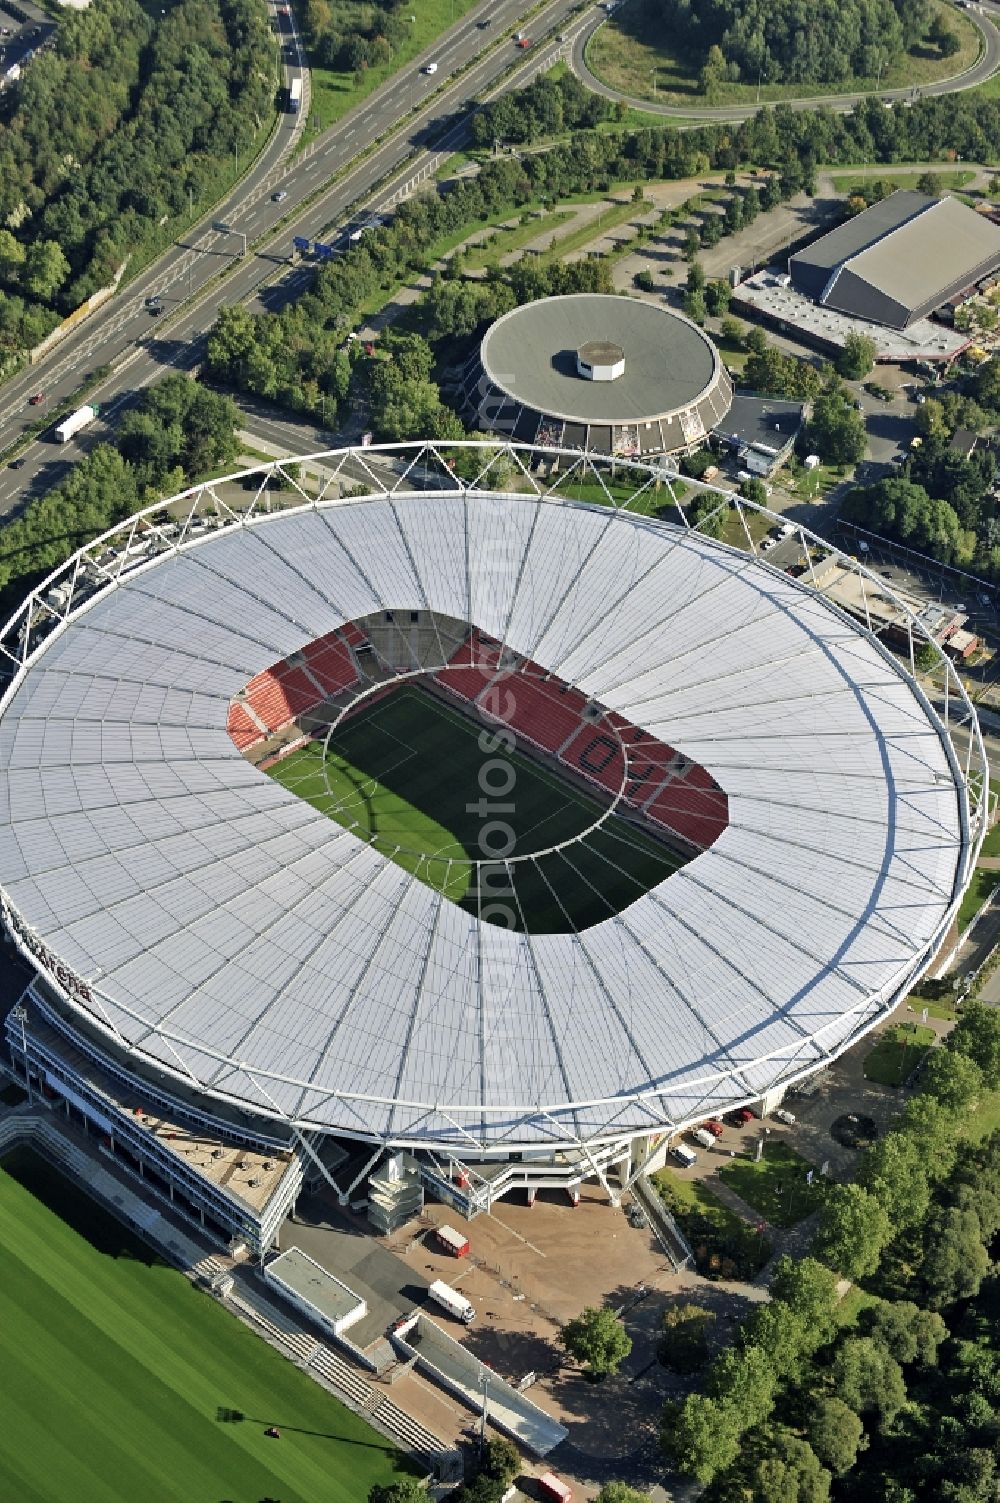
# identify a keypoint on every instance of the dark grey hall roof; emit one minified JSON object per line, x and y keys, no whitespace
{"x":530,"y":353}
{"x":899,"y":259}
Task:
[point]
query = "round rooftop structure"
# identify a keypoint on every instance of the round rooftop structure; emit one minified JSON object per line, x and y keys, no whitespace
{"x":200,"y":921}
{"x":603,"y":373}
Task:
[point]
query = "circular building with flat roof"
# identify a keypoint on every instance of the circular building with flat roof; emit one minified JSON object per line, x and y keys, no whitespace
{"x":598,"y":372}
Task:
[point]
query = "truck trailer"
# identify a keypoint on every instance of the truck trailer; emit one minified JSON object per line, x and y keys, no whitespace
{"x":456,"y":1243}
{"x":71,"y":425}
{"x":553,"y":1489}
{"x":295,"y":95}
{"x":449,"y":1299}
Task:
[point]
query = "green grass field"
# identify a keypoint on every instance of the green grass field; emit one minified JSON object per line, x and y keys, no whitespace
{"x":117,"y":1372}
{"x":897,"y":1053}
{"x":776,"y":1184}
{"x":404,"y":770}
{"x":636,"y":54}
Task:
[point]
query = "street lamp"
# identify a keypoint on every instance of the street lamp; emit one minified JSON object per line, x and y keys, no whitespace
{"x":484,"y":1383}
{"x":20,"y":1015}
{"x":760,"y":78}
{"x":653,"y":73}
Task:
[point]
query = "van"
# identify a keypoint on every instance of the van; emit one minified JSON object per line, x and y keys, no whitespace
{"x":684,"y":1155}
{"x":449,"y":1299}
{"x":703,"y":1137}
{"x":431,"y":68}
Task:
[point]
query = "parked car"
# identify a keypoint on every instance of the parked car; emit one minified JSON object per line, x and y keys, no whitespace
{"x":781,"y":1115}
{"x":741,"y":1116}
{"x":431,"y":68}
{"x":38,"y":397}
{"x":684,"y":1155}
{"x":715,"y":1128}
{"x":280,"y":196}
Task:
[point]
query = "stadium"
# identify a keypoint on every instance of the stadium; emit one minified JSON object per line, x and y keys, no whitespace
{"x":381,"y":808}
{"x":606,"y":374}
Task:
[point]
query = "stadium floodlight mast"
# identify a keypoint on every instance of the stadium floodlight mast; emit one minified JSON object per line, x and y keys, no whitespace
{"x":411,"y":476}
{"x":20,"y":1015}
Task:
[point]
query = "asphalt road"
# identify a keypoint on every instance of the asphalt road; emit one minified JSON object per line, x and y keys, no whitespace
{"x":140,"y":349}
{"x":980,"y":71}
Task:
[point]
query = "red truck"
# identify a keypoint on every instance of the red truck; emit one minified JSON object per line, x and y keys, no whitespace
{"x":454,"y":1242}
{"x":553,"y":1490}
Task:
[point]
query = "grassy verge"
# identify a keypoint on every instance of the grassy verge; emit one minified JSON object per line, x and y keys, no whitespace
{"x":631,"y":59}
{"x":123,"y":1381}
{"x":724,"y":1245}
{"x":503,"y":241}
{"x":776,"y":1184}
{"x":945,"y":179}
{"x":897,"y":1053}
{"x":609,"y":218}
{"x":653,"y":501}
{"x":982,"y":884}
{"x":335,"y":93}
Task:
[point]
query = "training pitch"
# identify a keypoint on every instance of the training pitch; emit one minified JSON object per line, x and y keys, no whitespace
{"x":410,"y":774}
{"x":119,"y":1375}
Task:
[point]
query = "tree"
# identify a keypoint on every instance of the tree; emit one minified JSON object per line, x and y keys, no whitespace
{"x":692,"y":243}
{"x":746,"y":1378}
{"x":811,"y":1291}
{"x":620,"y":1492}
{"x":718,"y":294}
{"x":853,"y":1231}
{"x":977,"y":1035}
{"x":952,"y":1078}
{"x":502,"y":1459}
{"x":955,"y":1261}
{"x":754,"y":490}
{"x":695,"y":277}
{"x":685,"y":1337}
{"x":598,"y":1339}
{"x":857,"y":356}
{"x":927,"y":183}
{"x":404,"y":1490}
{"x":895,"y":1170}
{"x":755,"y":341}
{"x":713,"y":72}
{"x":790,"y":1473}
{"x":836,"y":431}
{"x":731,"y":330}
{"x":45,"y":269}
{"x":907,"y":1332}
{"x":868,"y":1380}
{"x":942,"y":36}
{"x":694,"y":306}
{"x":930,"y":421}
{"x":700,"y":1436}
{"x":835,"y":1434}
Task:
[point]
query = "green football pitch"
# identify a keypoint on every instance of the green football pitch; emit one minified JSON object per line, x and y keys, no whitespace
{"x":409,"y":773}
{"x":121,"y":1380}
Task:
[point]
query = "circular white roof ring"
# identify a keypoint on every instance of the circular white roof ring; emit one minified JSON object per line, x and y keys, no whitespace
{"x":203,"y":920}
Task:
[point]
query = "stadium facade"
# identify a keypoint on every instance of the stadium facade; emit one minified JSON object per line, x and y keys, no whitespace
{"x":605,"y":374}
{"x":238,"y":992}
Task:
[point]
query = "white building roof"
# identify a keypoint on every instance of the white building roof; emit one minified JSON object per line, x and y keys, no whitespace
{"x":252,"y":946}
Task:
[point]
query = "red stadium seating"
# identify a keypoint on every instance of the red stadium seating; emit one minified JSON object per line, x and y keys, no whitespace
{"x":330,"y":663}
{"x":545,"y":711}
{"x":483,"y":659}
{"x":241,"y":728}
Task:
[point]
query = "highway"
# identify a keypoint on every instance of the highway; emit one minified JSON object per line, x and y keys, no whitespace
{"x":140,"y":348}
{"x":984,"y":68}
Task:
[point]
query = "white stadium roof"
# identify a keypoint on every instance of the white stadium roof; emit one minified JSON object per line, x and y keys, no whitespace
{"x":253,"y":948}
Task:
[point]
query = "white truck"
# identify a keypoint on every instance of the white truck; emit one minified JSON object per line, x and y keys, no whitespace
{"x":71,"y":425}
{"x":294,"y":95}
{"x":449,"y":1299}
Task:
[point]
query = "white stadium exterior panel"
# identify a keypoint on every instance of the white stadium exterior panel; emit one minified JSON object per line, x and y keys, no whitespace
{"x":253,"y":947}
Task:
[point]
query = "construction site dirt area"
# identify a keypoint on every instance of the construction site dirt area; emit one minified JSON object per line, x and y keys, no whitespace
{"x":532,"y":1268}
